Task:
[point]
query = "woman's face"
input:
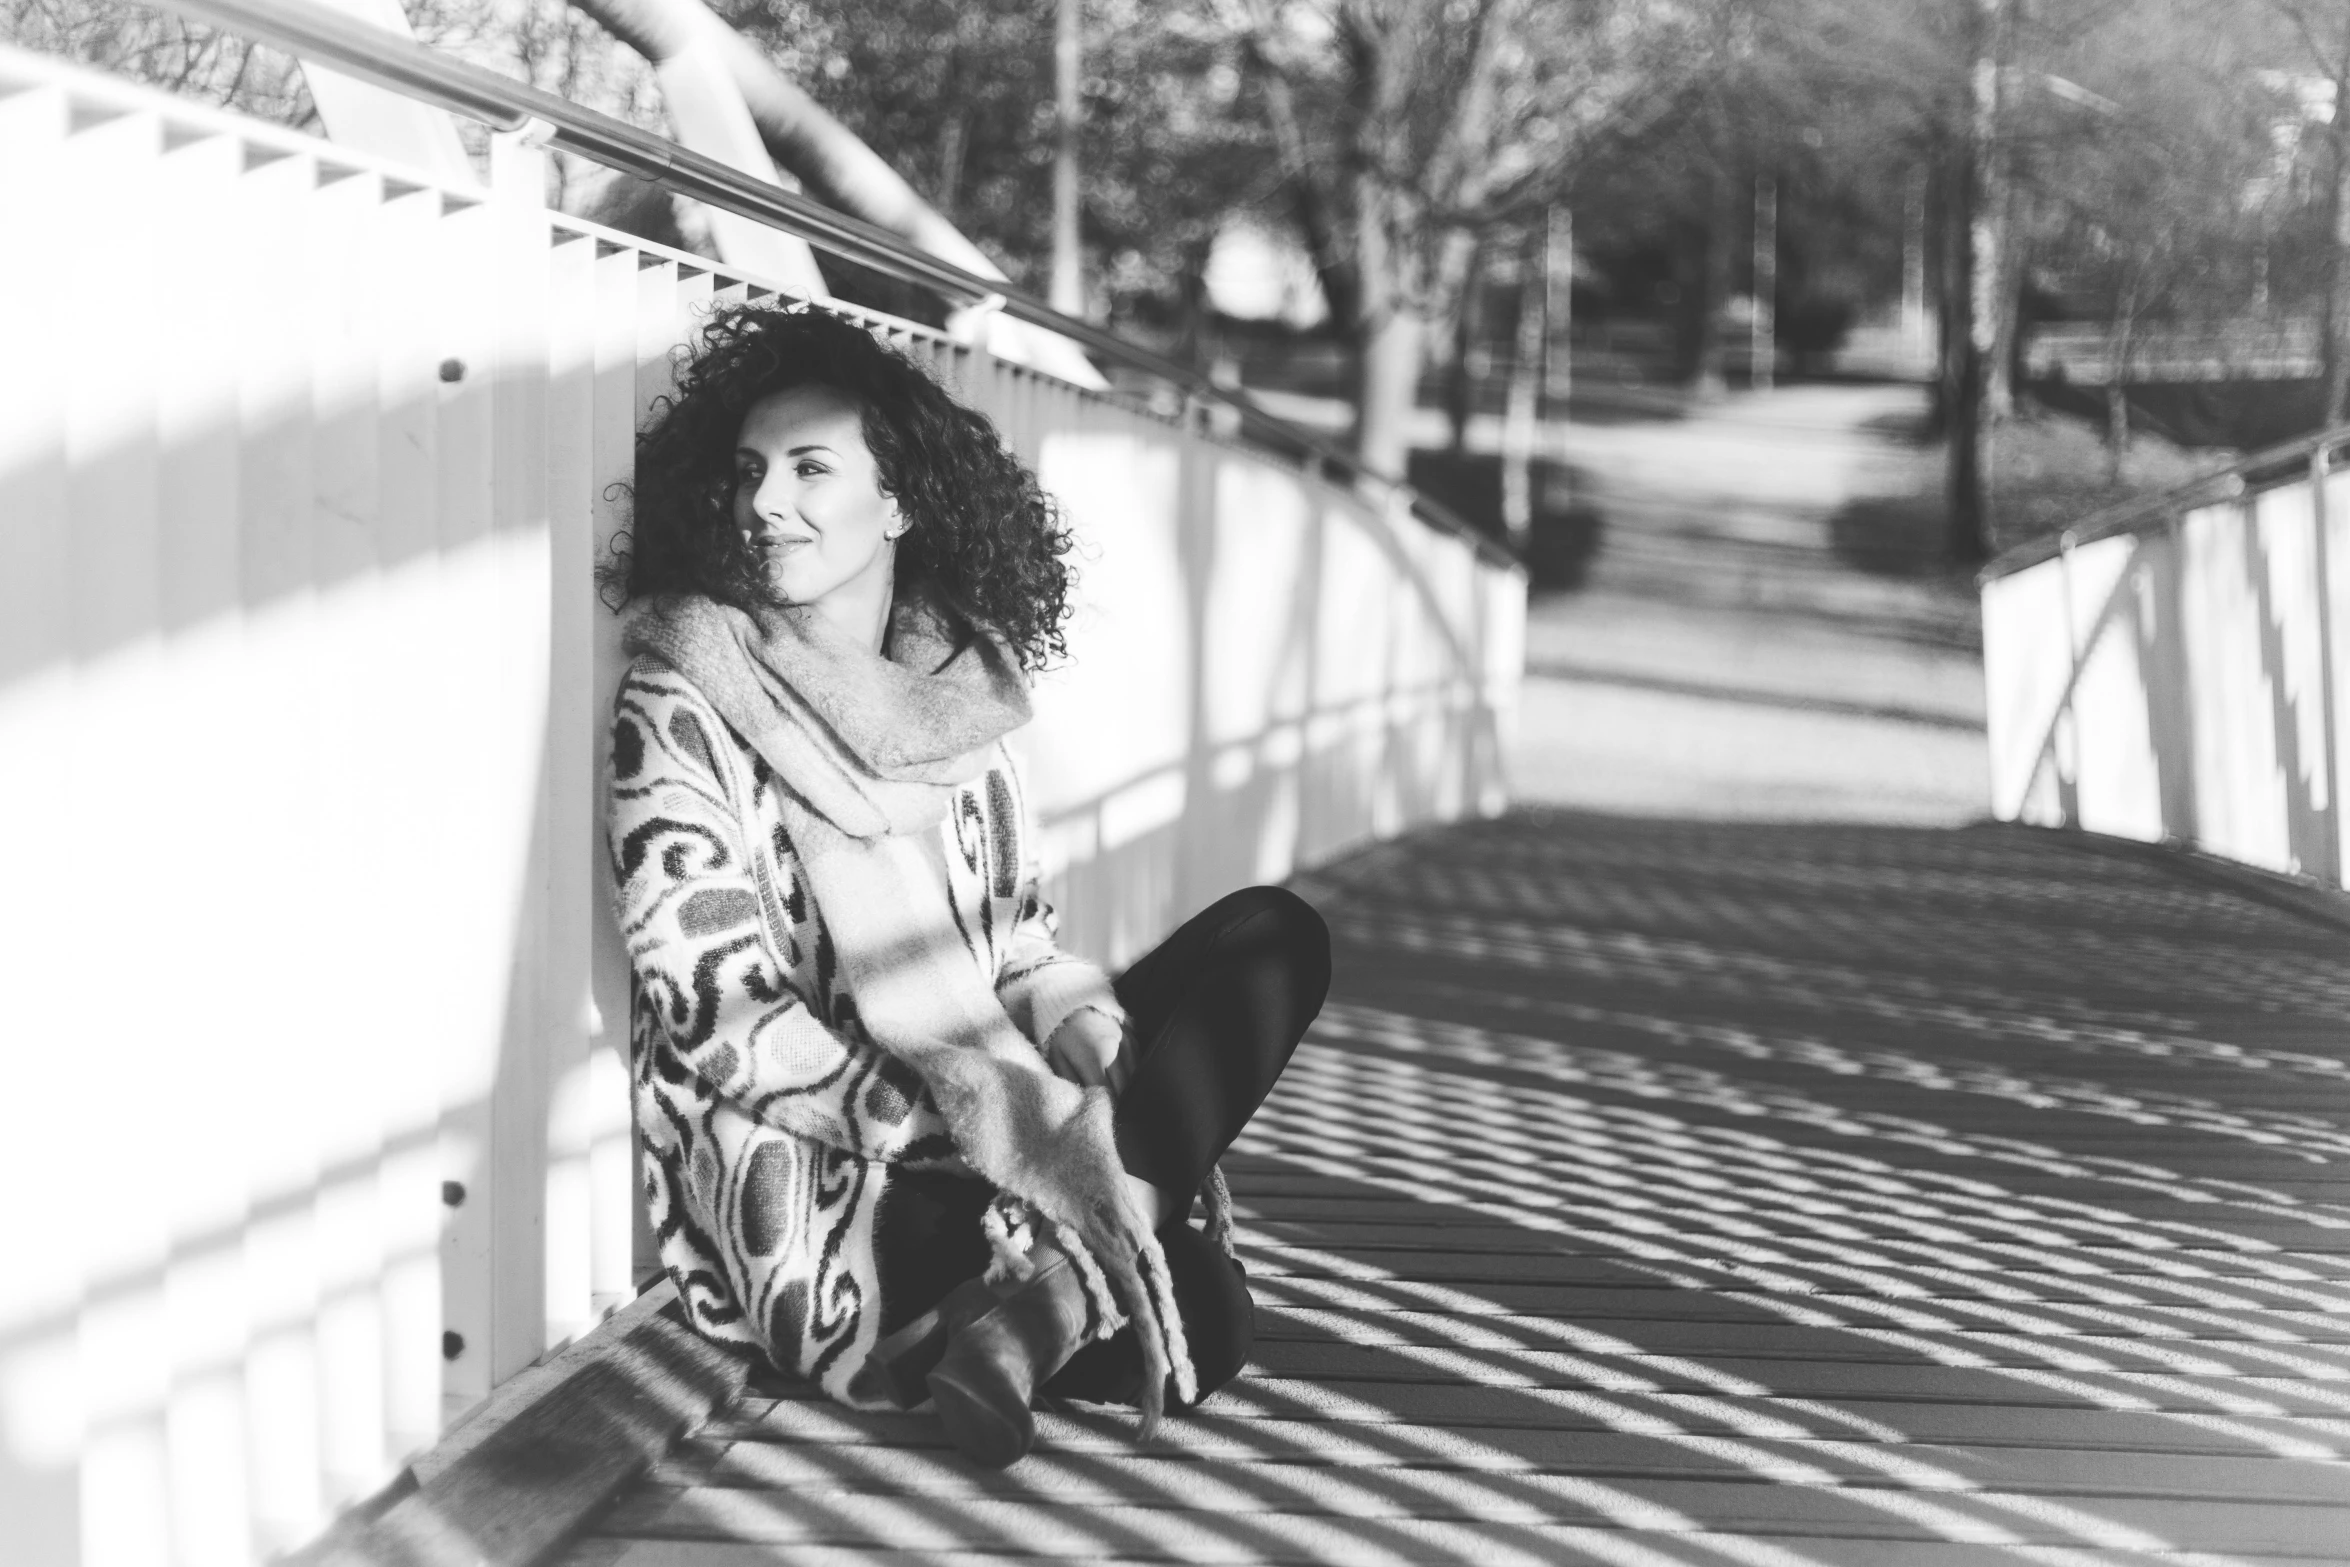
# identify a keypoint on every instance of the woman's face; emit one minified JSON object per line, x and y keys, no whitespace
{"x":808,"y":497}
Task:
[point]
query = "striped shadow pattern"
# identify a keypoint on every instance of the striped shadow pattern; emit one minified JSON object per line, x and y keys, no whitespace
{"x":1658,"y":1193}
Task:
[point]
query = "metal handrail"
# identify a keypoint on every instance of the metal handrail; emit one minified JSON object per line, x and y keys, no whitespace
{"x":2285,"y":463}
{"x":407,"y":67}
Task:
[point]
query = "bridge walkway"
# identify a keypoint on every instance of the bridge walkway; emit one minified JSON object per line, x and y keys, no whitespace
{"x":1660,"y":1192}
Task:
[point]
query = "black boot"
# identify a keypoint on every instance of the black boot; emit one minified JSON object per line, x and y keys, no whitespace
{"x":906,"y":1358}
{"x":995,"y":1362}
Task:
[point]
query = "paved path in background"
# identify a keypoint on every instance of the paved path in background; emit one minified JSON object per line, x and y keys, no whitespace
{"x":1729,"y":658}
{"x":1666,"y":1192}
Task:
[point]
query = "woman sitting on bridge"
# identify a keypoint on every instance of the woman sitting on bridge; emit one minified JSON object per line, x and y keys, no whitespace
{"x":896,"y":1140}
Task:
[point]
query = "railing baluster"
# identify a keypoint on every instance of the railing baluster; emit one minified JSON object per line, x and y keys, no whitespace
{"x":406,"y":251}
{"x":568,"y":809}
{"x":113,"y":581}
{"x":39,"y":1305}
{"x":2331,"y":814}
{"x":621,"y":330}
{"x":465,"y":670}
{"x":329,"y":292}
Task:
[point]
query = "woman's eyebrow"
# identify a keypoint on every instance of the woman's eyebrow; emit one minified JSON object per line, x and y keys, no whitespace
{"x":813,"y":446}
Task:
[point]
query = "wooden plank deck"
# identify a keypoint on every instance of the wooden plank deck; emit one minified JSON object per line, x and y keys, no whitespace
{"x":1667,"y":1193}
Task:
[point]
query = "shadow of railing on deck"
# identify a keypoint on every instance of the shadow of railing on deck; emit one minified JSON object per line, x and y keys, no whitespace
{"x":1598,"y":1219}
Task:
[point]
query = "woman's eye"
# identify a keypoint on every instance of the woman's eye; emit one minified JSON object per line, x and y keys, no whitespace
{"x":808,"y":468}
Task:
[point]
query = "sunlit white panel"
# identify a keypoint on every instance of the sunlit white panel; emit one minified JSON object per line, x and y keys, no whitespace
{"x":488,"y":734}
{"x":335,"y":299}
{"x":1258,"y":631}
{"x":573,"y":709}
{"x":411,"y":670}
{"x":206,"y":1322}
{"x":2239,"y":783}
{"x":1352,"y":647}
{"x":519,"y":253}
{"x":2027,"y":665}
{"x":1415,"y":648}
{"x":2285,"y":522}
{"x":1120,"y":708}
{"x":2117,"y":781}
{"x":113,"y":582}
{"x":2336,"y":591}
{"x":2116,"y":776}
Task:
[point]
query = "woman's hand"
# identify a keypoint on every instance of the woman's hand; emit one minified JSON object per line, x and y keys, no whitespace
{"x":1090,"y":1047}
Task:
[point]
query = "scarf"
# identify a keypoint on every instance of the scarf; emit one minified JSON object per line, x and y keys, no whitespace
{"x":870,"y":748}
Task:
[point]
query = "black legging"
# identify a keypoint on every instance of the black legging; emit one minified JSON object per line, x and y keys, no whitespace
{"x":1216,"y":1010}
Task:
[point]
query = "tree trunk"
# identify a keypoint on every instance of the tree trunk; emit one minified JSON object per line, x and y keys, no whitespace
{"x":2117,"y":382}
{"x":1387,"y":338}
{"x":1972,"y":479}
{"x":2336,"y":349}
{"x":1962,"y":404}
{"x":1307,"y":198}
{"x":1388,"y":382}
{"x":2007,"y":358}
{"x":1764,"y":350}
{"x":1948,"y":281}
{"x":1068,"y":291}
{"x":1468,"y":326}
{"x":1388,"y":328}
{"x":952,"y":138}
{"x":1521,"y":412}
{"x":1913,"y":263}
{"x":1558,"y":310}
{"x":1713,"y":287}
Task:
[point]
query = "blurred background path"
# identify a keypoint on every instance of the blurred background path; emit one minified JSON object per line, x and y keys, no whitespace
{"x":1763,"y":632}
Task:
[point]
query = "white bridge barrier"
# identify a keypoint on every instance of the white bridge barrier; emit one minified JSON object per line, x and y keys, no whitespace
{"x":315,"y":1017}
{"x":2184,"y":680}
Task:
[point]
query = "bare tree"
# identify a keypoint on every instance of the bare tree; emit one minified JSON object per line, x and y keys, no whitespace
{"x":1443,"y":120}
{"x":165,"y":51}
{"x":2160,"y":200}
{"x":2321,"y":29}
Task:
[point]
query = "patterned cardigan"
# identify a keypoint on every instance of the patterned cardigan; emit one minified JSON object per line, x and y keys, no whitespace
{"x":772,"y":1125}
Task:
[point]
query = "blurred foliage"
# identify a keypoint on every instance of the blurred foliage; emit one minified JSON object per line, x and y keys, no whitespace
{"x":2143,"y":142}
{"x":1402,"y":134}
{"x":2160,"y":203}
{"x":163,"y":51}
{"x":957,"y":95}
{"x":1433,"y":124}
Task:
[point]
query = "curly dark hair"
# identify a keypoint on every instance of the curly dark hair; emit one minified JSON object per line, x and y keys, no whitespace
{"x":984,"y":543}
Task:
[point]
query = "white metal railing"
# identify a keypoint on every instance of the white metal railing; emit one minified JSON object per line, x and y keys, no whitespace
{"x":316,"y":1019}
{"x":2175,"y":671}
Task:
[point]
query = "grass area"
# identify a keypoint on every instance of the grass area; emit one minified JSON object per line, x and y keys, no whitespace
{"x":2049,"y":471}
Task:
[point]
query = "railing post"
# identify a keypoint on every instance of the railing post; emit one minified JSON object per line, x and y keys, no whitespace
{"x":2175,"y":752}
{"x":2064,"y":729}
{"x":2320,"y":465}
